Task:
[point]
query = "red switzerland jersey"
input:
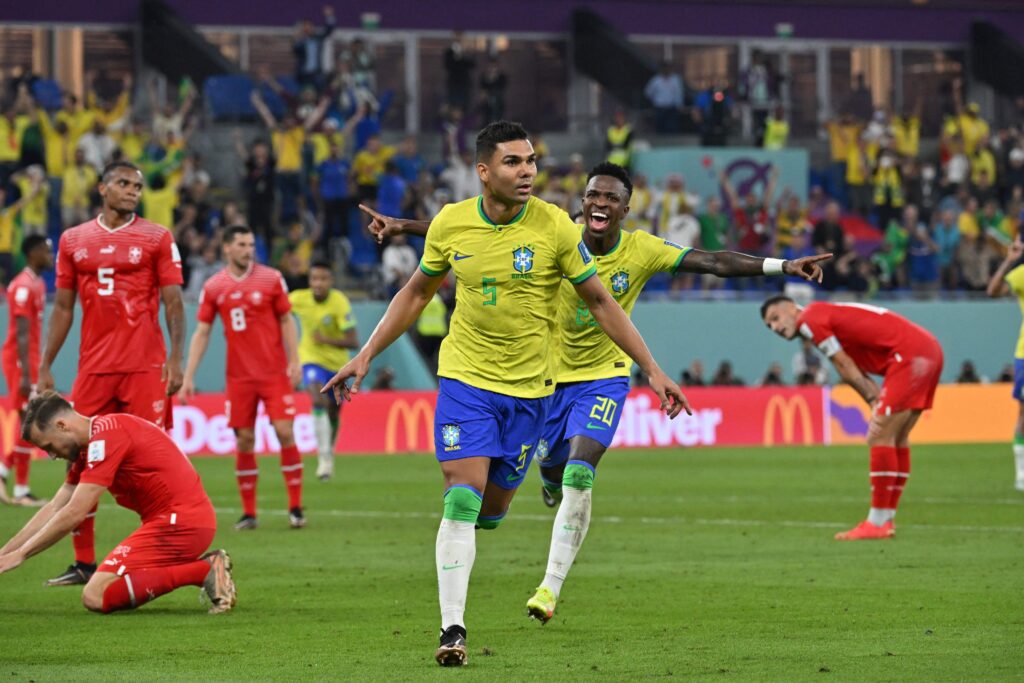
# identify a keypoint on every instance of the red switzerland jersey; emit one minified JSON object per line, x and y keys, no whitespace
{"x":872,"y":336}
{"x":144,"y":470}
{"x":26,"y":298}
{"x":117,"y":275}
{"x":250,"y":308}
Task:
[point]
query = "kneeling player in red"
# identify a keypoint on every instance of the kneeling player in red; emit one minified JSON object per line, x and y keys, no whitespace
{"x":147,"y":473}
{"x":862,"y":340}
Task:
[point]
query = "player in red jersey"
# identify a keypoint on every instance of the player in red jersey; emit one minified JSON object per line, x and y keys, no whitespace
{"x":866,"y":340}
{"x":120,"y":266}
{"x":26,"y":299}
{"x":263,"y":364}
{"x":147,"y":473}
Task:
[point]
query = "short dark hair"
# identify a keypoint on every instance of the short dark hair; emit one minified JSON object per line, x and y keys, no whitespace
{"x":110,"y":168}
{"x":232,"y":230}
{"x":488,"y":139}
{"x":322,"y":263}
{"x":772,"y":300}
{"x":41,"y":410}
{"x":31,"y":242}
{"x":614,"y":171}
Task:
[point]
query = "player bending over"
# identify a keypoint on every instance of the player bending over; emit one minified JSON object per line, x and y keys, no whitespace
{"x":510,"y":252}
{"x":593,"y":373}
{"x":328,"y":332}
{"x":1009,"y":278}
{"x":147,"y":473}
{"x":862,"y":340}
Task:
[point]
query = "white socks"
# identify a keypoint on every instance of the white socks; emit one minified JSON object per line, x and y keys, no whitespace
{"x":879,"y":516}
{"x":1018,"y":455}
{"x":322,"y":426}
{"x":454,"y":555}
{"x":570,"y":528}
{"x":21,"y":490}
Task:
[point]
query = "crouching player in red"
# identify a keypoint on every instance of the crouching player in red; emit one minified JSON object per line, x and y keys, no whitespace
{"x":862,"y":340}
{"x":145,"y":472}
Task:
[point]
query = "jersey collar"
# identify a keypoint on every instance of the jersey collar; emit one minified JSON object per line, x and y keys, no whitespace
{"x":247,"y":273}
{"x":99,"y":222}
{"x":488,"y":221}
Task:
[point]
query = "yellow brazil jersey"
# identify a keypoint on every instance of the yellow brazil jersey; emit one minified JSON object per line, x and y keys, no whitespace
{"x":288,"y":148}
{"x":586,"y":353}
{"x":1015,"y":278}
{"x":907,"y":134}
{"x":332,"y":317}
{"x":506,"y":295}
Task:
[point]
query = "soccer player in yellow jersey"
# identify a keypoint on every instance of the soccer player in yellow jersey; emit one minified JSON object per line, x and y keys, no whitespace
{"x":509,"y":252}
{"x":328,"y":330}
{"x":593,"y":374}
{"x":1009,"y":278}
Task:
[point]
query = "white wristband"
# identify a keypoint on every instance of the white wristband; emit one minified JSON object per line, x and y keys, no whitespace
{"x":772,"y":266}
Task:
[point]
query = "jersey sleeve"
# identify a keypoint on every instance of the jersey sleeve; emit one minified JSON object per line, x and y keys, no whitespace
{"x":346,"y":318}
{"x":75,"y":472}
{"x":814,"y":325}
{"x":104,"y":455}
{"x":207,"y":304}
{"x":662,"y":256}
{"x":571,"y":254}
{"x":282,"y":304}
{"x":21,"y":301}
{"x":1015,"y":278}
{"x":435,"y":250}
{"x":168,"y":261}
{"x":65,"y":265}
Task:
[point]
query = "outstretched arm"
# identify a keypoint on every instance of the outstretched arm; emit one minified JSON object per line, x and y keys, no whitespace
{"x":382,"y":226}
{"x":735,"y":264}
{"x":403,"y":311}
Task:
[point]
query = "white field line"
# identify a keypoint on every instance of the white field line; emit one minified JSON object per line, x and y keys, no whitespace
{"x":1019,"y":502}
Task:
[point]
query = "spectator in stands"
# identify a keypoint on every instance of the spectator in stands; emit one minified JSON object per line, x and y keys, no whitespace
{"x":906,"y":131}
{"x":776,"y":129}
{"x":958,"y":166}
{"x":186,"y":236}
{"x":714,"y":225}
{"x":384,"y":379}
{"x":817,"y":200}
{"x":493,"y":83}
{"x":12,"y":125}
{"x":9,"y":231}
{"x":59,"y":151}
{"x":946,"y":235}
{"x":618,"y":140}
{"x":641,"y":203}
{"x":368,"y":166}
{"x":410,"y":163}
{"x":712,"y":110}
{"x":364,"y":66}
{"x":758,"y":89}
{"x":828,"y":238}
{"x":294,"y":249}
{"x":923,"y":257}
{"x":983,"y":163}
{"x":76,"y":190}
{"x":773,"y":377}
{"x":159,"y":200}
{"x":994,"y":227}
{"x":331,"y":188}
{"x":309,"y":49}
{"x":673,"y":201}
{"x":860,"y":103}
{"x":859,"y":162}
{"x":751,"y":217}
{"x":887,"y":190}
{"x":968,"y":374}
{"x":259,"y":185}
{"x":693,"y":376}
{"x":202,"y":267}
{"x":168,"y":119}
{"x":892,"y":258}
{"x":575,"y":183}
{"x":983,"y":190}
{"x":921,"y":188}
{"x":724,"y":376}
{"x":1013,"y":177}
{"x":665,"y":93}
{"x":807,"y":365}
{"x":431,"y":328}
{"x":843,"y":133}
{"x":461,"y":177}
{"x":458,"y":66}
{"x":32,"y":183}
{"x":1006,"y":374}
{"x":97,"y":145}
{"x":791,"y":226}
{"x":398,"y":263}
{"x":393,"y":191}
{"x":972,"y":128}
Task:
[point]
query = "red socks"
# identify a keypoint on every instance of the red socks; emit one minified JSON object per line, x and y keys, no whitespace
{"x":247,"y":474}
{"x":142,"y":585}
{"x":902,"y":474}
{"x":84,"y":539}
{"x":20,"y":457}
{"x":291,"y":469}
{"x":883,"y":475}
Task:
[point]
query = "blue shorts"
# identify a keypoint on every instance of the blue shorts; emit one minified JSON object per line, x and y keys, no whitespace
{"x":317,"y":374}
{"x":472,"y":422}
{"x":591,"y":409}
{"x":1018,"y":379}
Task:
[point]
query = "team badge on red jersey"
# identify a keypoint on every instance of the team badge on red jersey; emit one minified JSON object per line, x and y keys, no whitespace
{"x":135,"y":255}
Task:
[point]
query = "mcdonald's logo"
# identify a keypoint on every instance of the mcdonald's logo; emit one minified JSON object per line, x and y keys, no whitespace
{"x":411,"y":416}
{"x":787,"y":410}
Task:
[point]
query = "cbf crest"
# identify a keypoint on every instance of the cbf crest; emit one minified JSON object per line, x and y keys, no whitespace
{"x":450,"y":435}
{"x":620,"y":282}
{"x":543,"y":451}
{"x":135,"y":255}
{"x":522,"y":259}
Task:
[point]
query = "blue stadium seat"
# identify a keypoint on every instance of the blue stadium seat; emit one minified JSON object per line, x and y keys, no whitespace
{"x":228,"y":97}
{"x":48,"y":94}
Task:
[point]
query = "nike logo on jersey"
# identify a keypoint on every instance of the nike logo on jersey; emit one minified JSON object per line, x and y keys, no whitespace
{"x":459,"y":257}
{"x":591,"y":425}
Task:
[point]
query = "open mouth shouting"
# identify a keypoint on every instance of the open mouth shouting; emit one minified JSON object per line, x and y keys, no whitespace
{"x":599,"y":220}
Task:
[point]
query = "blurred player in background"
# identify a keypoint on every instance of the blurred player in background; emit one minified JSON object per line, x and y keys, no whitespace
{"x":147,"y":473}
{"x":593,"y":373}
{"x":328,"y":333}
{"x":26,"y":299}
{"x":510,"y":252}
{"x":263,"y":364}
{"x":1009,"y":278}
{"x":866,"y":340}
{"x":121,"y":267}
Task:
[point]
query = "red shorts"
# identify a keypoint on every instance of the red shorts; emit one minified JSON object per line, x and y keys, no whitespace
{"x":142,"y":394}
{"x":12,"y":373}
{"x":911,"y":381}
{"x":157,"y":545}
{"x":244,"y":396}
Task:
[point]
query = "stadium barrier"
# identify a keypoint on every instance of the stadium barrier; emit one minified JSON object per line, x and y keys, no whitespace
{"x":402,"y":421}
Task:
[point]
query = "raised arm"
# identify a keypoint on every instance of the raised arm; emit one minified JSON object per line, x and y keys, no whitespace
{"x":403,"y":311}
{"x":196,"y":350}
{"x":619,"y":328}
{"x":262,"y":110}
{"x":730,"y":191}
{"x":174,"y":315}
{"x":61,"y":317}
{"x":997,"y":286}
{"x":852,"y":375}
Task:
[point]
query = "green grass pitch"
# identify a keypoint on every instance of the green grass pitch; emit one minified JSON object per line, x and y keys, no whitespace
{"x":714,"y":564}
